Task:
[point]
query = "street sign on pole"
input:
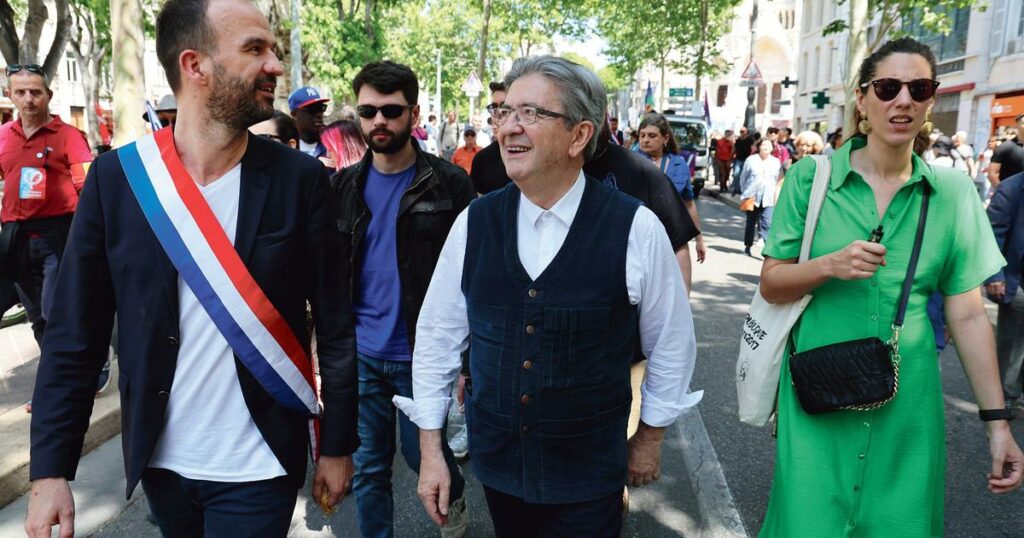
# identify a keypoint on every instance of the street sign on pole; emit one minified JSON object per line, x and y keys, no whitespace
{"x":751,"y":76}
{"x":680,"y":92}
{"x":472,"y":87}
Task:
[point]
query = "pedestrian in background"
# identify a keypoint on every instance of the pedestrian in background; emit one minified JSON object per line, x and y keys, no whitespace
{"x":464,"y":156}
{"x":658,"y":143}
{"x":723,"y":159}
{"x":758,"y":181}
{"x":981,"y":180}
{"x":1006,"y":212}
{"x":448,"y":136}
{"x":807,"y":143}
{"x":876,"y":472}
{"x":281,"y":127}
{"x":742,"y":149}
{"x":308,"y":108}
{"x":344,"y":142}
{"x":395,"y":208}
{"x":1008,"y":157}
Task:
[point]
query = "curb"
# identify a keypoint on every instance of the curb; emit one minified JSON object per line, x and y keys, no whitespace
{"x":104,"y":424}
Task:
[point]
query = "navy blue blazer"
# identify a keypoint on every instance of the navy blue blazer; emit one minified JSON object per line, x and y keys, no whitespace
{"x":287,"y":238}
{"x":1006,"y":211}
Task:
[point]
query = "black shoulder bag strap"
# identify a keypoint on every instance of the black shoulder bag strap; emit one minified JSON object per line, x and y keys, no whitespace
{"x":908,"y":281}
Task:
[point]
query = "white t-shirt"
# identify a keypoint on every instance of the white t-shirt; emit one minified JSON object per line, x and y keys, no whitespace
{"x":208,"y":433}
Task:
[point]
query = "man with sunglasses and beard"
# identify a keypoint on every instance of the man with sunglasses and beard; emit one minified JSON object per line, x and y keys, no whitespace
{"x":395,"y":207}
{"x":208,"y":242}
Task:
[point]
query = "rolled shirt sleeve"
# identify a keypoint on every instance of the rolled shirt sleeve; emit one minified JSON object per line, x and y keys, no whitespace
{"x":442,"y":334}
{"x":667,"y":338}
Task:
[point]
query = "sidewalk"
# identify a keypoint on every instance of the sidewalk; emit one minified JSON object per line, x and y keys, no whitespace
{"x":19,"y":357}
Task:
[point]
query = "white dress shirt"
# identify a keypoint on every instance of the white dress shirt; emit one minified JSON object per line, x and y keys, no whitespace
{"x":653,"y":282}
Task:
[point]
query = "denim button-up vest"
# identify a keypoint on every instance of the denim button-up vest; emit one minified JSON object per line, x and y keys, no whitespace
{"x":550,"y":357}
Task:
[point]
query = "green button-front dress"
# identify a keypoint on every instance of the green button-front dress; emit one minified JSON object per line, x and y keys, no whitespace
{"x":880,"y":472}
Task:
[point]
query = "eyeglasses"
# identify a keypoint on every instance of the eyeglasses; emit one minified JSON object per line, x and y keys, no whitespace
{"x":271,"y":137}
{"x":31,"y":68}
{"x":886,"y":89}
{"x":470,"y":135}
{"x":389,"y":111}
{"x":525,"y":114}
{"x":492,"y":107}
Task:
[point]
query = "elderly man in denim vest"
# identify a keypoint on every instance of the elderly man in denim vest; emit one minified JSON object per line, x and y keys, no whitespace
{"x":553,"y":279}
{"x":1006,"y":211}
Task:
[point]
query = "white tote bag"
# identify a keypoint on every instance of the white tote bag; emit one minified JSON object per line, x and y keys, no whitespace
{"x":767,"y":327}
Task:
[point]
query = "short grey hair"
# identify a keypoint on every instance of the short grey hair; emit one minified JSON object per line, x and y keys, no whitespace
{"x":583,"y":95}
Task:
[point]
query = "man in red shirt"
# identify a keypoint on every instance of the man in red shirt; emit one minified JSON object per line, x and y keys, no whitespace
{"x":723,"y":159}
{"x":42,"y":163}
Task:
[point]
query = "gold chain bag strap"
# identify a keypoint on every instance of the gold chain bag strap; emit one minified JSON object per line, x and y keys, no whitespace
{"x":857,"y":375}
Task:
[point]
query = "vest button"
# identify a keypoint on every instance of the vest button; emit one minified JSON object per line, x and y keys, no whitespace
{"x":530,"y":329}
{"x":172,"y":341}
{"x":527,"y":365}
{"x":525,"y":399}
{"x":525,"y":429}
{"x":163,"y":394}
{"x":532,"y":293}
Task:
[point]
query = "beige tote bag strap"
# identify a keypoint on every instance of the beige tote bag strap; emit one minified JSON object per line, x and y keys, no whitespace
{"x":822,"y":176}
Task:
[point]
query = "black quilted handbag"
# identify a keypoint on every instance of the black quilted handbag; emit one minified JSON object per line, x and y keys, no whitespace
{"x":860,"y":374}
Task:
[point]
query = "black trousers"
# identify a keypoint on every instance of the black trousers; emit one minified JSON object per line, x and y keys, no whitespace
{"x":514,"y":518}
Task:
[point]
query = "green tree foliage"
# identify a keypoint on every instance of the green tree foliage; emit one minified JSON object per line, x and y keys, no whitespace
{"x":417,"y":32}
{"x":334,"y":50}
{"x":678,"y":35}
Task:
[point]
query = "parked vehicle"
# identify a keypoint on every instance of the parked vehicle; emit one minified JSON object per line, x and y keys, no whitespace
{"x":692,"y":134}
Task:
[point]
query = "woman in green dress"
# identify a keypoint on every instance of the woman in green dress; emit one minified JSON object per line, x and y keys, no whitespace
{"x":882,"y":472}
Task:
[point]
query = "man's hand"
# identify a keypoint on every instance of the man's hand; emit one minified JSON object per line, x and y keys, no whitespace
{"x":996,"y":291}
{"x":1007,"y":460}
{"x":332,"y":480}
{"x":50,"y":503}
{"x":435,"y":481}
{"x":644,"y":460}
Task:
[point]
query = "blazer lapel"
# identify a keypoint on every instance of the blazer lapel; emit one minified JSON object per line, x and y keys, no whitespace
{"x":252,"y":198}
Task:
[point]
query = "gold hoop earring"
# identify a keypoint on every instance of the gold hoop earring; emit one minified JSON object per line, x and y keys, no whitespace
{"x":927,"y":127}
{"x":864,"y":127}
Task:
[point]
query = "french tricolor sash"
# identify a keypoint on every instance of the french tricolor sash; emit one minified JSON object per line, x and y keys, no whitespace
{"x":207,"y":261}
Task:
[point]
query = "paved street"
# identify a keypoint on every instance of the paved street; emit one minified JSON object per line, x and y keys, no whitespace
{"x":689,"y":500}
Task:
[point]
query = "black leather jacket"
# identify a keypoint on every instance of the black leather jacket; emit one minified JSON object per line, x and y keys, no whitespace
{"x":438,"y":193}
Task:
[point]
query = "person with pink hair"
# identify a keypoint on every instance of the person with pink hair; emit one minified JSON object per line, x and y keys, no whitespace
{"x":345,"y":144}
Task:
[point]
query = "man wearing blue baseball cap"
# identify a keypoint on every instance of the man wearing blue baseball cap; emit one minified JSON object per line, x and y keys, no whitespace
{"x":307,"y":107}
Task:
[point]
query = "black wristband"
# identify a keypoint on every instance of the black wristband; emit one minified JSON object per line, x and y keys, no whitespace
{"x":995,"y":414}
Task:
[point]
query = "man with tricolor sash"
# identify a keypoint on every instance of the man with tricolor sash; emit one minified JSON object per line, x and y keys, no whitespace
{"x":207,"y":242}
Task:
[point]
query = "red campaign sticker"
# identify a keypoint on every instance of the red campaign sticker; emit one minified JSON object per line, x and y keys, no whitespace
{"x":33,"y":184}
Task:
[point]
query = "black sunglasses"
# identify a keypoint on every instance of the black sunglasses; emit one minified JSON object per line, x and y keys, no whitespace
{"x":921,"y":89}
{"x":31,"y":68}
{"x":389,"y":111}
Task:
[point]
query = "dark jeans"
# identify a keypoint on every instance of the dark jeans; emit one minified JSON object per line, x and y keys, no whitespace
{"x":189,"y":508}
{"x":513,"y":518}
{"x":722,"y":169}
{"x":36,"y":282}
{"x":762,"y":218}
{"x":379,"y":381}
{"x":1010,"y":345}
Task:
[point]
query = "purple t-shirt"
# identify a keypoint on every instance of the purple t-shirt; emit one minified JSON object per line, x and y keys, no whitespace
{"x":380,"y":323}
